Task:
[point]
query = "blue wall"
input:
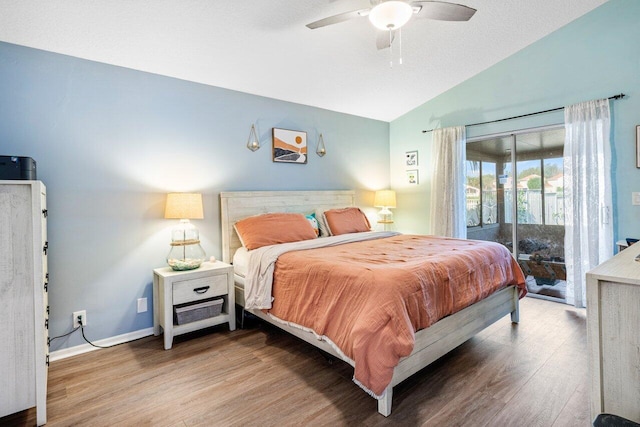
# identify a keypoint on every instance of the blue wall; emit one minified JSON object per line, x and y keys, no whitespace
{"x":596,"y":56}
{"x":110,"y":142}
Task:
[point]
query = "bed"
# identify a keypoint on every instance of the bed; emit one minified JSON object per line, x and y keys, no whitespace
{"x":429,"y":344}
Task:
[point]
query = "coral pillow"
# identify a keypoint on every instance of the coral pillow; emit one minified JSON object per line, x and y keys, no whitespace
{"x":273,"y":228}
{"x":347,"y":220}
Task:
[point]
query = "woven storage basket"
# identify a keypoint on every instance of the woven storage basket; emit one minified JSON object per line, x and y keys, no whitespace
{"x":193,"y":312}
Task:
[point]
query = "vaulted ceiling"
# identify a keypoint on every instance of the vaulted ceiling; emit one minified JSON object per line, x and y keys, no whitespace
{"x":263,"y":47}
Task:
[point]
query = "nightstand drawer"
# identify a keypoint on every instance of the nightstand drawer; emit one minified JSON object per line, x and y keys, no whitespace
{"x":197,"y":289}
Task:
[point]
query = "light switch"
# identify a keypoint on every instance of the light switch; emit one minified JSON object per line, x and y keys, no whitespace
{"x":635,"y":199}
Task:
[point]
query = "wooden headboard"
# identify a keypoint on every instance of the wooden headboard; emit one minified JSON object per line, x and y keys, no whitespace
{"x":241,"y":204}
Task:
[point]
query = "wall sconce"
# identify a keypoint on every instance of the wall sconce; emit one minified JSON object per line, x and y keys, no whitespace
{"x":320,"y":149}
{"x":253,"y":143}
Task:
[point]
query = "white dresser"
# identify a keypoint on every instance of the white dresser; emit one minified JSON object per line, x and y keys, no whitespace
{"x":24,"y":354}
{"x":613,"y":334}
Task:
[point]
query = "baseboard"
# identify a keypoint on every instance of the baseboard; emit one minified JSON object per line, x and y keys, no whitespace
{"x":546,"y":297}
{"x":85,"y":348}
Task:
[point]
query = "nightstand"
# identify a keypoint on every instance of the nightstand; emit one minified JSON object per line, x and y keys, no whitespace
{"x":176,"y":288}
{"x":622,"y":245}
{"x":385,"y":225}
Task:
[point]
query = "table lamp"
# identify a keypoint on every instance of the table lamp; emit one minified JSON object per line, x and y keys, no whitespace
{"x":186,"y":252}
{"x":385,"y":199}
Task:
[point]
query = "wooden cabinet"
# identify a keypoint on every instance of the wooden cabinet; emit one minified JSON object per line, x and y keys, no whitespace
{"x":24,"y":354}
{"x":621,"y":245}
{"x":613,"y":333}
{"x":172,"y":288}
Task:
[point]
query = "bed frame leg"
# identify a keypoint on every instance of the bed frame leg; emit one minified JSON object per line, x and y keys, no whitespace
{"x":515,"y":314}
{"x":240,"y":316}
{"x":384,"y":404}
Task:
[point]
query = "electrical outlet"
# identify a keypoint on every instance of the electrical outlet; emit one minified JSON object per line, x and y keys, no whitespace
{"x":82,"y":315}
{"x":142,"y":305}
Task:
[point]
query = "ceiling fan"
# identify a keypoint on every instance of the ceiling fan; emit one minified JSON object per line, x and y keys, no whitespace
{"x":390,"y":15}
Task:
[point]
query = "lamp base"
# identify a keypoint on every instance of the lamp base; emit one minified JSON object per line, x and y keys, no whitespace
{"x":184,"y":264}
{"x":385,"y":215}
{"x":185,"y":255}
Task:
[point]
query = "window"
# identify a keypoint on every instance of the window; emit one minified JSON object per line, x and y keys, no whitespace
{"x":553,"y":191}
{"x":539,"y":188}
{"x":481,"y":192}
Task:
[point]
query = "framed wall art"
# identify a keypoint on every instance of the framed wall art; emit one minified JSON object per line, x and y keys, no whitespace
{"x":289,"y":146}
{"x":412,"y":177}
{"x":411,"y":159}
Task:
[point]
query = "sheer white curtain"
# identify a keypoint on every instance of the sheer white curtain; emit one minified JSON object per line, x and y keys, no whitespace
{"x":587,"y":189}
{"x":447,"y":187}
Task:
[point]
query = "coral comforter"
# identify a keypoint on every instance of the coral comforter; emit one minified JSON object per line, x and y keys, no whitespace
{"x":369,"y":297}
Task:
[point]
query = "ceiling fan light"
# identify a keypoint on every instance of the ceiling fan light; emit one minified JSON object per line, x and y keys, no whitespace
{"x":390,"y":15}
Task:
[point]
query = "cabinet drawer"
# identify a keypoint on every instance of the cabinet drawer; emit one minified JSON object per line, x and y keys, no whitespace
{"x":197,"y":289}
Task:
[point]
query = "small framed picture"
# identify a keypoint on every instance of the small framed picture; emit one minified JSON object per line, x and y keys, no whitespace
{"x":638,"y":146}
{"x":411,"y":158}
{"x":412,"y":177}
{"x":289,"y":146}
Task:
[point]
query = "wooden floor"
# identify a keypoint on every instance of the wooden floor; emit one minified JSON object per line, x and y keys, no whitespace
{"x":531,"y":374}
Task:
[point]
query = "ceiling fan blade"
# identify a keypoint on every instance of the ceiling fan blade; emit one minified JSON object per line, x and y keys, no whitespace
{"x":335,"y":19}
{"x":442,"y":11}
{"x":383,"y":41}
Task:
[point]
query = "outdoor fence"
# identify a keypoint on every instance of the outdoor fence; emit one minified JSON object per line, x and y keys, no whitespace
{"x":529,"y":208}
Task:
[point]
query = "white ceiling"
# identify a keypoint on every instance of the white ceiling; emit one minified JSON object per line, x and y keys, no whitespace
{"x":263,"y":47}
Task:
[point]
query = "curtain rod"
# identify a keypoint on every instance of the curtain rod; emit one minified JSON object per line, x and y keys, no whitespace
{"x":614,"y":97}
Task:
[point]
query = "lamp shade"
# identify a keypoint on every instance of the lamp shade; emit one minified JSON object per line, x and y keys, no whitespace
{"x":184,"y":206}
{"x":385,"y":199}
{"x":390,"y":15}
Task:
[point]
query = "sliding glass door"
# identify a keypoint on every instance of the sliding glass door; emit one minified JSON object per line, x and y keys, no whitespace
{"x":515,"y":197}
